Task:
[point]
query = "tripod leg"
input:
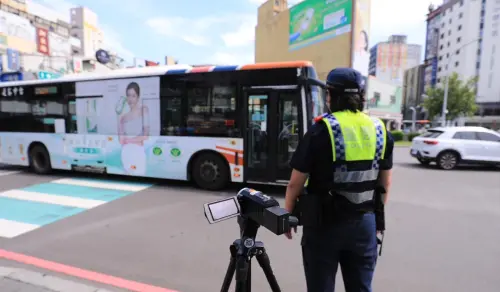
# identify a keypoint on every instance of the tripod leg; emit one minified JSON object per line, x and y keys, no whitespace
{"x":265,"y":264}
{"x":229,"y":275}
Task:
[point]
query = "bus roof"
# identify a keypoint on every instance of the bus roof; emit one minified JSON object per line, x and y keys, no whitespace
{"x":158,"y":70}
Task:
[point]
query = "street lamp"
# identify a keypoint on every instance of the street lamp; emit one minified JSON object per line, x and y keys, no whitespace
{"x":444,"y":110}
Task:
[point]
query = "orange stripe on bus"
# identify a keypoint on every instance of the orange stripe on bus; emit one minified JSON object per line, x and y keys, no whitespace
{"x":200,"y":69}
{"x":231,"y":159}
{"x":277,"y":65}
{"x":229,"y":149}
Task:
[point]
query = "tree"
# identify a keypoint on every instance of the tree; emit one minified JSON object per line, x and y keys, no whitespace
{"x":461,"y":98}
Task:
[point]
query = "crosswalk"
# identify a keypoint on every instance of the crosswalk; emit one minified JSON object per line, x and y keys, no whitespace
{"x":26,"y":209}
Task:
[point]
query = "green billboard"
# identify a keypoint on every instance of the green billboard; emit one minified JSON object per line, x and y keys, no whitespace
{"x":313,"y":21}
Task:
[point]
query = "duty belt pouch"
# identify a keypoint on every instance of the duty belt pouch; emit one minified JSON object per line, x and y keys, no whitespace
{"x":315,"y":210}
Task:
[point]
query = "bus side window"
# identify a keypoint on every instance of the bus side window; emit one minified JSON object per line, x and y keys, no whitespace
{"x":212,"y":111}
{"x":171,"y":116}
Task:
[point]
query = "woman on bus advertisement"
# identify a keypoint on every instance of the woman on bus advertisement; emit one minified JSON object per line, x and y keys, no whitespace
{"x":133,"y":130}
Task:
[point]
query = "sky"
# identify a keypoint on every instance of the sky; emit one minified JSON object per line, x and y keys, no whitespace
{"x":218,"y":31}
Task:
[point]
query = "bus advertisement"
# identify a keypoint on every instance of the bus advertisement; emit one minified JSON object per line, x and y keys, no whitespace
{"x":212,"y":125}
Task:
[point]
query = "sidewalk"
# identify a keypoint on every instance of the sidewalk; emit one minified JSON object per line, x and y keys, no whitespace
{"x":22,"y":280}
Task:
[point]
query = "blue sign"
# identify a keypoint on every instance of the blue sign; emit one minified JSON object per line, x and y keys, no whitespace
{"x":47,"y":75}
{"x":11,"y":76}
{"x":13,"y":62}
{"x":102,"y":56}
{"x":434,"y":71}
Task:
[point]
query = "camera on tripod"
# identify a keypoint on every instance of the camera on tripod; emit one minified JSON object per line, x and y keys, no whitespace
{"x":253,"y":209}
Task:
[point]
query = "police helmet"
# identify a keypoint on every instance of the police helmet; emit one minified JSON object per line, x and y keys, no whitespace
{"x":345,"y":80}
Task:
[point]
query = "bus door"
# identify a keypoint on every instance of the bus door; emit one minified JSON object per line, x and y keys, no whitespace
{"x":272,"y":133}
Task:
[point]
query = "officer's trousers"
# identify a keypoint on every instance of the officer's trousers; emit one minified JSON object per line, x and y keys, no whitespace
{"x":352,"y":243}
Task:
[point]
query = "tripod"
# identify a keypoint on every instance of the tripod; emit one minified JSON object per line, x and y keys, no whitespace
{"x":242,"y":251}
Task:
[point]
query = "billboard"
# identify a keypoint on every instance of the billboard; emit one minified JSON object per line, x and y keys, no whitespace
{"x":42,"y":41}
{"x":361,"y":37}
{"x":313,"y":21}
{"x":489,"y":73}
{"x":59,"y":46}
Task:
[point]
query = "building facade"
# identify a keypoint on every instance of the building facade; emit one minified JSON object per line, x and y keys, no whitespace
{"x":328,"y":33}
{"x":384,"y":100}
{"x":85,"y":27}
{"x":389,"y":60}
{"x":488,"y":94}
{"x":413,"y":92}
{"x":468,"y":42}
{"x":459,"y":39}
{"x":431,"y":47}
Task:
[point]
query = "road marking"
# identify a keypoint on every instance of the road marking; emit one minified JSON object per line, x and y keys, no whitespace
{"x":2,"y":173}
{"x":80,"y":273}
{"x":102,"y":185}
{"x":51,"y":199}
{"x":11,"y":229}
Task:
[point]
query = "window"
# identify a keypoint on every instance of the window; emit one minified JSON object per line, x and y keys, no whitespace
{"x":449,"y":21}
{"x":488,"y":137}
{"x":459,"y":39}
{"x":441,"y":47}
{"x":442,"y":35}
{"x":432,"y":134}
{"x":439,"y":69}
{"x":440,"y":58}
{"x":465,"y":136}
{"x":212,"y":111}
{"x":393,"y":99}
{"x":456,"y":64}
{"x":460,"y":15}
{"x":460,"y":27}
{"x":449,"y":32}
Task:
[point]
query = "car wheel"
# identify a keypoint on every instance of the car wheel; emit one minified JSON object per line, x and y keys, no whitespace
{"x":424,"y":162}
{"x":447,"y":160}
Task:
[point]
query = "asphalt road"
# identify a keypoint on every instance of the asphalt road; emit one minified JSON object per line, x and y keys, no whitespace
{"x":443,"y":233}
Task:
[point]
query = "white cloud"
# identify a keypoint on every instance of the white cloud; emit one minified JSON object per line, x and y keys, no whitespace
{"x":403,"y":17}
{"x":224,"y":58}
{"x":193,"y":31}
{"x":244,"y":35}
{"x":203,"y":31}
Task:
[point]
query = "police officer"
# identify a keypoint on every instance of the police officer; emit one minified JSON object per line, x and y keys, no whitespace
{"x":341,"y":160}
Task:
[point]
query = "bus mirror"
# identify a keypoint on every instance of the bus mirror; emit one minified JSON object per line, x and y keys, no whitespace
{"x":312,"y":81}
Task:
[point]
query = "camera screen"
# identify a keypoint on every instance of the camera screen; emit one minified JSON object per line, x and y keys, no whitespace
{"x":223,"y":209}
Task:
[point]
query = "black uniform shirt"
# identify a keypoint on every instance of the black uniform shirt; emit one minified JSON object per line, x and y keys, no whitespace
{"x":314,"y":156}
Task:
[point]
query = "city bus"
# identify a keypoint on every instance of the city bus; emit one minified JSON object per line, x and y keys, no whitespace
{"x":211,"y":125}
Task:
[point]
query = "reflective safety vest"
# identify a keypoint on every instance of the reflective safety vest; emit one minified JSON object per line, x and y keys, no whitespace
{"x":357,"y":139}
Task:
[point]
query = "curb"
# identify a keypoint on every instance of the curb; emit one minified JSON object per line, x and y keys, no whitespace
{"x":42,"y":280}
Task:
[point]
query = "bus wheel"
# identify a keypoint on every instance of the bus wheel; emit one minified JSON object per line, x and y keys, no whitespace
{"x":40,"y":159}
{"x":210,"y":171}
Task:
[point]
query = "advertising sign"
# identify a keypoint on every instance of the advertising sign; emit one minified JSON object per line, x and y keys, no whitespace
{"x":44,"y":75}
{"x":13,"y":62}
{"x":15,"y":26}
{"x":312,"y":21}
{"x":59,"y":46}
{"x":42,"y":41}
{"x":361,"y":37}
{"x":127,"y":107}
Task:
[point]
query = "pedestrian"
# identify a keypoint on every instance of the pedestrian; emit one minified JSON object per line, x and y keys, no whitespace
{"x":341,"y":160}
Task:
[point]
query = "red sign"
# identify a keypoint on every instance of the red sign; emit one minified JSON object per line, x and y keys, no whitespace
{"x":151,"y":63}
{"x":42,"y":41}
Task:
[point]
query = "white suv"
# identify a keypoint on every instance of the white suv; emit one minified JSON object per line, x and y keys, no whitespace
{"x":450,"y":146}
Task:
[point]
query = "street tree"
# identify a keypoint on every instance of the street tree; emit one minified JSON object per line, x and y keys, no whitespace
{"x":461,"y":98}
